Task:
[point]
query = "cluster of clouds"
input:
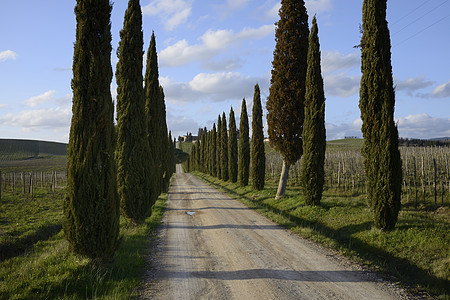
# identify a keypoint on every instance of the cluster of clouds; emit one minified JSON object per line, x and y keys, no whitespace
{"x":217,"y":54}
{"x":421,"y":126}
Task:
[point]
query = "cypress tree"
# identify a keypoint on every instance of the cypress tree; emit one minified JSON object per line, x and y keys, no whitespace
{"x":244,"y":147}
{"x":198,"y":155}
{"x":224,"y":150}
{"x":285,"y":104}
{"x":193,"y":157}
{"x":219,"y":147}
{"x":172,"y":164}
{"x":152,"y":102}
{"x":133,"y":157}
{"x":232,"y":149}
{"x":314,"y":139}
{"x":91,"y":205}
{"x":258,"y":155}
{"x":165,"y":154}
{"x":380,"y":151}
{"x":213,"y":151}
{"x":203,"y":154}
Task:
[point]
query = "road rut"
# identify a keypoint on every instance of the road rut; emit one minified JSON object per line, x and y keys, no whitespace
{"x":214,"y":247}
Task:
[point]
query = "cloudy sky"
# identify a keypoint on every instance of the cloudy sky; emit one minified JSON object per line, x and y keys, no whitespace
{"x":212,"y":53}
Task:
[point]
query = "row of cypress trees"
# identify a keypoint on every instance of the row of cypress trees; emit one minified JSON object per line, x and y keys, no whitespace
{"x":113,"y":169}
{"x":296,"y":105}
{"x":225,"y":156}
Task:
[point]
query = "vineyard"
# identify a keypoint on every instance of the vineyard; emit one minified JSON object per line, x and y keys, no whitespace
{"x":11,"y":149}
{"x":426,"y":171}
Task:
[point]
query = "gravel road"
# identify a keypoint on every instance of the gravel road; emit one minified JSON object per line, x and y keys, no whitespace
{"x":213,"y":247}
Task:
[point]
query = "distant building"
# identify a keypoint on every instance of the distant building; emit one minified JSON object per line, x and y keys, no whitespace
{"x":187,"y":138}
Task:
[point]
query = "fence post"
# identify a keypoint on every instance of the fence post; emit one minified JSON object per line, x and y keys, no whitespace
{"x":23,"y":182}
{"x":415,"y":183}
{"x":0,"y":185}
{"x":31,"y":184}
{"x":435,"y":174}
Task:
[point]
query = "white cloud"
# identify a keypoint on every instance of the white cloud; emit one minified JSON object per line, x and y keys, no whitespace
{"x":7,"y":54}
{"x":50,"y":118}
{"x":423,"y":126}
{"x":42,"y":98}
{"x":442,"y":91}
{"x":212,"y":44}
{"x":3,"y":105}
{"x":341,"y":84}
{"x":340,"y":131}
{"x":172,"y":12}
{"x":411,"y":85}
{"x":334,"y":60}
{"x":215,"y":87}
{"x":271,"y":8}
{"x":179,"y":125}
{"x":420,"y":126}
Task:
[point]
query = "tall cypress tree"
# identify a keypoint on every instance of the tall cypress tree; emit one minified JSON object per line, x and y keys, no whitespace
{"x":203,"y":154}
{"x":152,"y":102}
{"x":232,"y":149}
{"x":133,"y":156}
{"x":224,"y":150}
{"x":382,"y":160}
{"x":213,"y":151}
{"x":244,"y":147}
{"x":314,"y":139}
{"x":91,"y":205}
{"x":258,"y":155}
{"x":165,"y":154}
{"x":171,"y":147}
{"x":219,"y":147}
{"x":285,"y":103}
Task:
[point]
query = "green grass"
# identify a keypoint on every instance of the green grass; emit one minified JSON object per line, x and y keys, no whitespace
{"x":35,"y":164}
{"x":50,"y":271}
{"x":25,"y":220}
{"x":416,"y":253}
{"x":344,"y":145}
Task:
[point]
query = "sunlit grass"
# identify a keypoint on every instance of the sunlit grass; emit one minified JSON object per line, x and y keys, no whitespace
{"x":50,"y":271}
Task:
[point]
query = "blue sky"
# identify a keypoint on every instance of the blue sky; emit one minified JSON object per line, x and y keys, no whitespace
{"x":212,"y":53}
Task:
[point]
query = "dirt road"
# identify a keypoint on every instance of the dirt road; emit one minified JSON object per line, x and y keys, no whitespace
{"x":213,"y":247}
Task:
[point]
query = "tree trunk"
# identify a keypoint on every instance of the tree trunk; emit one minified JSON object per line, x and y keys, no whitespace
{"x":283,"y":181}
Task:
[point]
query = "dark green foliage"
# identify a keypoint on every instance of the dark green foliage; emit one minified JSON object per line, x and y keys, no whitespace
{"x":224,"y":149}
{"x":382,"y":161}
{"x":91,"y":206}
{"x":258,"y":156}
{"x":165,"y":153}
{"x":134,"y":159}
{"x":174,"y":156}
{"x":219,"y":147}
{"x":203,"y":154}
{"x":232,"y":149}
{"x":244,"y":147}
{"x":314,"y":139}
{"x":152,"y":110}
{"x":285,"y":104}
{"x":212,"y":151}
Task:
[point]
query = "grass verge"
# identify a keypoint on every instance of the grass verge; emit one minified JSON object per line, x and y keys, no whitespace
{"x":50,"y":271}
{"x":416,"y":254}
